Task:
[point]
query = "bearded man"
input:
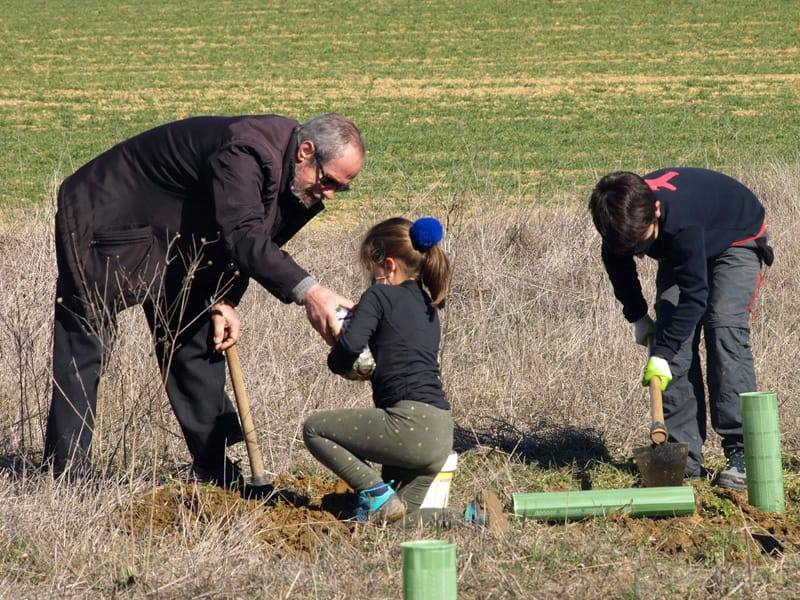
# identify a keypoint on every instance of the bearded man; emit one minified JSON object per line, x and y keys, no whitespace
{"x":178,"y":219}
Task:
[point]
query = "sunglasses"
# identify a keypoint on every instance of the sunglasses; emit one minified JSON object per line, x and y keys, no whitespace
{"x":327,"y":181}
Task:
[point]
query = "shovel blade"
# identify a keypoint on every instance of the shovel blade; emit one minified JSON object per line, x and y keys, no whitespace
{"x":662,"y":465}
{"x":270,"y":495}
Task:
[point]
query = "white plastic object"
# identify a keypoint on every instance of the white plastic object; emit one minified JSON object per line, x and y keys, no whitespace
{"x":438,"y":494}
{"x":344,"y":316}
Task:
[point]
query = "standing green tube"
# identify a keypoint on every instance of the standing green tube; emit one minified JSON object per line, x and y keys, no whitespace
{"x":762,"y":450}
{"x":636,"y":502}
{"x":429,"y":570}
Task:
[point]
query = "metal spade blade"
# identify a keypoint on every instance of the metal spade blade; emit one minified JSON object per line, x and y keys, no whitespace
{"x":663,"y":464}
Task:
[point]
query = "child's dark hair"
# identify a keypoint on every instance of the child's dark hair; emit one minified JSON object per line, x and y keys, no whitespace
{"x":421,"y":257}
{"x":623,"y":207}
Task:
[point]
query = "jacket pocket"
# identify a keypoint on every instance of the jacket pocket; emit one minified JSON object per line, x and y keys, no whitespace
{"x":134,"y":234}
{"x":123,"y":267}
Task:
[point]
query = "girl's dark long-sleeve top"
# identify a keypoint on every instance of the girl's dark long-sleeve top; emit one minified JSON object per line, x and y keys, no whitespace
{"x":402,"y":329}
{"x":702,"y":214}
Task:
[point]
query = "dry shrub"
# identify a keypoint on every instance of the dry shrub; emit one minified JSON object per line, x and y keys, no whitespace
{"x":533,"y":342}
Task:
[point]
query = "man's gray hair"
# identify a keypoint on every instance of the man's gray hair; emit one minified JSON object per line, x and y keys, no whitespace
{"x":331,"y":134}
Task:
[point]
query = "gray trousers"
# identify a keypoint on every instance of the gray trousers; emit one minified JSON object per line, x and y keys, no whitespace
{"x":410,"y":439}
{"x":734,"y":278}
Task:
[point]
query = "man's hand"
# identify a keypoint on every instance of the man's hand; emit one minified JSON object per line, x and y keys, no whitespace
{"x":657,"y":367}
{"x":321,"y":304}
{"x":225,"y":326}
{"x":643,"y":330}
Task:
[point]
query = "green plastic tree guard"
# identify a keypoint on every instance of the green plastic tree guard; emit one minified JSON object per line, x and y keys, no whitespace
{"x":636,"y":502}
{"x":429,"y":570}
{"x":762,"y":450}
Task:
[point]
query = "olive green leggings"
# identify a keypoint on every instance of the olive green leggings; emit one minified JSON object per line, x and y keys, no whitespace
{"x":410,"y":439}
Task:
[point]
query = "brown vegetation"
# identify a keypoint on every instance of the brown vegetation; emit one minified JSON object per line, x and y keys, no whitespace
{"x":538,"y":364}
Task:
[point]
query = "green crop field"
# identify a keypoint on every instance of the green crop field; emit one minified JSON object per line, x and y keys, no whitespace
{"x":518,"y":100}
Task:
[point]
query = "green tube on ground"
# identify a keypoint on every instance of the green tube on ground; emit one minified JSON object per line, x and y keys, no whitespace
{"x":429,"y":570}
{"x":579,"y":504}
{"x":762,"y":450}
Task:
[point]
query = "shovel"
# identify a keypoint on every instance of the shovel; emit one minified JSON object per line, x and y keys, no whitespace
{"x":662,"y":463}
{"x":258,"y":486}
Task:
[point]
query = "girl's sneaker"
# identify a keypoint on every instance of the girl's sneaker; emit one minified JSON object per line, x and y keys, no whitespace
{"x":379,"y":504}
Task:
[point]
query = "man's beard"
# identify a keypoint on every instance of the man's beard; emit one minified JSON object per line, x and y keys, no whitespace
{"x":305,"y":196}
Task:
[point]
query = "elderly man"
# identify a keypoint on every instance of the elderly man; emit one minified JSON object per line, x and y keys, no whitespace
{"x":178,"y":219}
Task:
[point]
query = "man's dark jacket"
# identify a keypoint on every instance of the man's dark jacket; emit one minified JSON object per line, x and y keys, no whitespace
{"x":703,"y":213}
{"x":208,"y":195}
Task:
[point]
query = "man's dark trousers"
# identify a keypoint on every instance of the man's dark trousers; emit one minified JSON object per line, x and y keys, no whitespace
{"x":194,"y":377}
{"x":733,"y":278}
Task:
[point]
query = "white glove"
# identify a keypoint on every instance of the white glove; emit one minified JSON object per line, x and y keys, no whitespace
{"x":643,"y":330}
{"x":364,"y":365}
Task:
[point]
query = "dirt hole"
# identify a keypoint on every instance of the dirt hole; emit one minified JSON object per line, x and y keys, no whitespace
{"x":318,"y":511}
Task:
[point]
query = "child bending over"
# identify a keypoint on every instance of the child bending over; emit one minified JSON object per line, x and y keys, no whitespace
{"x":410,"y":430}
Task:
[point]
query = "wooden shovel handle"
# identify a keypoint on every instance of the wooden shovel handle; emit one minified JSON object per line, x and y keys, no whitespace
{"x":658,"y":430}
{"x":246,"y":418}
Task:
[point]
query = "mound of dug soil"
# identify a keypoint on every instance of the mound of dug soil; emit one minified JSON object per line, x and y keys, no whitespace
{"x":725,"y":526}
{"x":286,"y":527}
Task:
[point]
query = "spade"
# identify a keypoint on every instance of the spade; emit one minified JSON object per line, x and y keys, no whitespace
{"x":258,"y":487}
{"x":662,"y":463}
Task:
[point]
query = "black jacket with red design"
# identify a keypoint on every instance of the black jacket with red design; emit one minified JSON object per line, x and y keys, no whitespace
{"x":207,"y":196}
{"x":702,"y":214}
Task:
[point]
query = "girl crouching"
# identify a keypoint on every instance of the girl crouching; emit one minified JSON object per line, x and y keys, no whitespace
{"x":410,"y":430}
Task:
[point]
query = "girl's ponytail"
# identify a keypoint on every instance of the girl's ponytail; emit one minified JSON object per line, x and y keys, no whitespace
{"x":435,"y":275}
{"x":426,"y":234}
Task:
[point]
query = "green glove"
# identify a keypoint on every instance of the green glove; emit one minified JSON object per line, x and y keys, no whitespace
{"x":660,"y":368}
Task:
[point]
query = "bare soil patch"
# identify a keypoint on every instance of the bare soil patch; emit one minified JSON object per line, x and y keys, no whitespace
{"x":724,"y":523}
{"x":288,"y":528}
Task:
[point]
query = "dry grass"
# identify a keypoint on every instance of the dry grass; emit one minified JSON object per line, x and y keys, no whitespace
{"x":537,"y":361}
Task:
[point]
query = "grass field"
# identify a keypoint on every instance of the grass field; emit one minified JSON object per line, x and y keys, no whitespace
{"x":519,"y":100}
{"x":517,"y":106}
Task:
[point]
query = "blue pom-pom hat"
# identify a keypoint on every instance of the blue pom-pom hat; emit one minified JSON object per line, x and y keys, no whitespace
{"x":425,"y":233}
